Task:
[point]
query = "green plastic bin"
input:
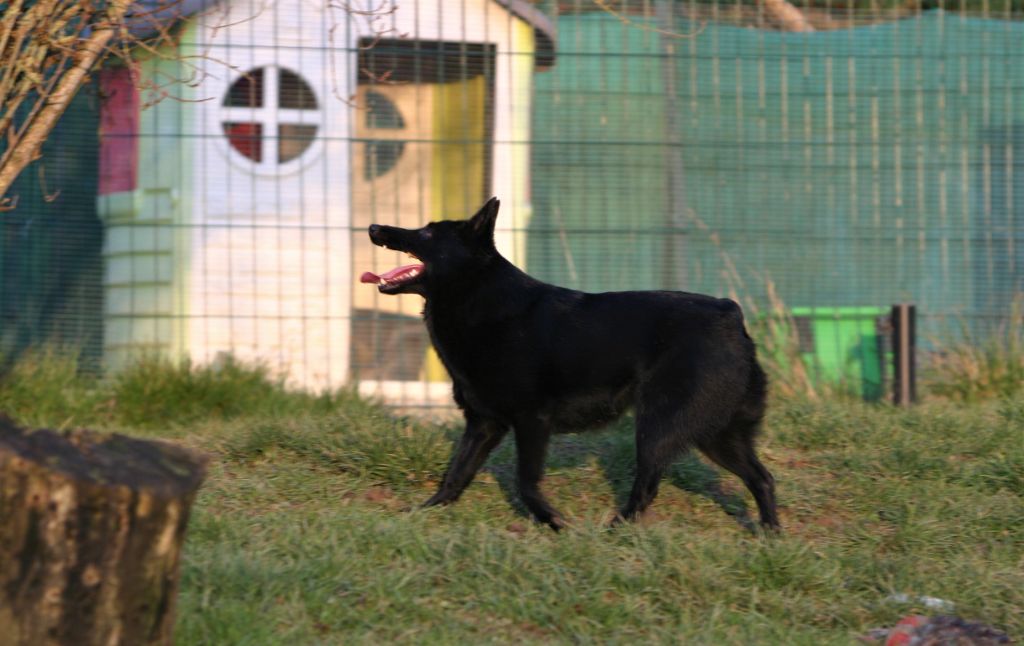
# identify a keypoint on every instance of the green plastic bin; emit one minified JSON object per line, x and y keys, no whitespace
{"x":844,"y":346}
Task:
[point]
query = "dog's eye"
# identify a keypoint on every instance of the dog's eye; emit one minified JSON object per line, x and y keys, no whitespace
{"x":426,"y":234}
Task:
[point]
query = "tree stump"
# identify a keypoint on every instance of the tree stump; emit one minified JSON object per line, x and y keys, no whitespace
{"x":91,"y":529}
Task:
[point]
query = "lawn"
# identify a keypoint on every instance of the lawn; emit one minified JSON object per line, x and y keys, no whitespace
{"x":303,"y":534}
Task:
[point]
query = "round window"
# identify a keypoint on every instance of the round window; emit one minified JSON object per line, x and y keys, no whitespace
{"x":381,"y":155}
{"x":271,"y":115}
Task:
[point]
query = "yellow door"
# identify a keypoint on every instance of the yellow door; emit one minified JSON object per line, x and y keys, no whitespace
{"x":419,"y":153}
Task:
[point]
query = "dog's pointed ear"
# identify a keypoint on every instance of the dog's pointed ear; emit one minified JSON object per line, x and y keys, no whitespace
{"x":483,"y":222}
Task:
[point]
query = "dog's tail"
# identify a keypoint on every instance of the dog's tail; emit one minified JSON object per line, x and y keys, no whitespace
{"x":757,"y":381}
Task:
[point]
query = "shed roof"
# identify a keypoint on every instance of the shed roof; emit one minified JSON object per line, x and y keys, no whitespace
{"x":145,"y":17}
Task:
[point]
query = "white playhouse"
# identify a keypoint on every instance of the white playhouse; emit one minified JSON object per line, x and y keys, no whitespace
{"x":236,"y":207}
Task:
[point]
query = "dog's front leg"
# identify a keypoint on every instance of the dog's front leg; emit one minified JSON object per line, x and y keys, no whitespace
{"x":531,"y":449}
{"x":476,"y":443}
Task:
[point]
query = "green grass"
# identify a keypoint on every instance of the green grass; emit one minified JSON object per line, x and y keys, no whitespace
{"x":47,"y":388}
{"x":979,"y":367}
{"x":302,"y":534}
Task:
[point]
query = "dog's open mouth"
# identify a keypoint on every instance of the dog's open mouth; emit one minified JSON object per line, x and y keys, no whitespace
{"x":393,"y":279}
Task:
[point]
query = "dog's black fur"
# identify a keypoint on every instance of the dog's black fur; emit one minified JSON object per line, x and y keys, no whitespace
{"x":538,"y":359}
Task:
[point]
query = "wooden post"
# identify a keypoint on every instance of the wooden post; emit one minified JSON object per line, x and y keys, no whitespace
{"x":904,"y":331}
{"x":91,"y":529}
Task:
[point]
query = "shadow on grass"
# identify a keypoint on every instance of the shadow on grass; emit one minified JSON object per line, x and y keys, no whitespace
{"x":615,"y":457}
{"x":692,"y":475}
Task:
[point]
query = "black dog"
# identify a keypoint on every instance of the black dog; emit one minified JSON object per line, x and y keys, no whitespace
{"x":539,"y":359}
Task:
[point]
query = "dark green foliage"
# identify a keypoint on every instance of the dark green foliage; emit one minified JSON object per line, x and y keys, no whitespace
{"x":51,"y":266}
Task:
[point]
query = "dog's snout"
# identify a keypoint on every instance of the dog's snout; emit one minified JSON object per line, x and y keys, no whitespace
{"x":374,"y":229}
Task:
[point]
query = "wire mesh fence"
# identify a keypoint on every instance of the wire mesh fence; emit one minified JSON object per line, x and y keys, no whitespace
{"x":222,"y":208}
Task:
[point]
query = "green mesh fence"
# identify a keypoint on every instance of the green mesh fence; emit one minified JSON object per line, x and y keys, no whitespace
{"x":647,"y":145}
{"x":853,"y":167}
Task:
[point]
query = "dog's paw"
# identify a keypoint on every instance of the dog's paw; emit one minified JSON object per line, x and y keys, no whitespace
{"x":440,"y":498}
{"x":556,"y":523}
{"x":768,"y":529}
{"x":554,"y":520}
{"x":623,"y":518}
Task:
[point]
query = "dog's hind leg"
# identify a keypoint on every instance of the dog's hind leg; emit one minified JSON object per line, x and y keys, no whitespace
{"x":531,"y":449}
{"x":671,"y":414}
{"x":476,"y":443}
{"x":733,"y":449}
{"x":656,"y":447}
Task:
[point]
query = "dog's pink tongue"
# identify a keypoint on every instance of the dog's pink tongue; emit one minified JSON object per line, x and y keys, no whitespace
{"x":396,"y":273}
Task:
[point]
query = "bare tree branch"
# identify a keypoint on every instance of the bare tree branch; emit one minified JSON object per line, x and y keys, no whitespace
{"x":49,"y":47}
{"x":39,"y":126}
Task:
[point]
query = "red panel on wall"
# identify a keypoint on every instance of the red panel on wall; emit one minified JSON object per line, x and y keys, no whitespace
{"x":119,"y":130}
